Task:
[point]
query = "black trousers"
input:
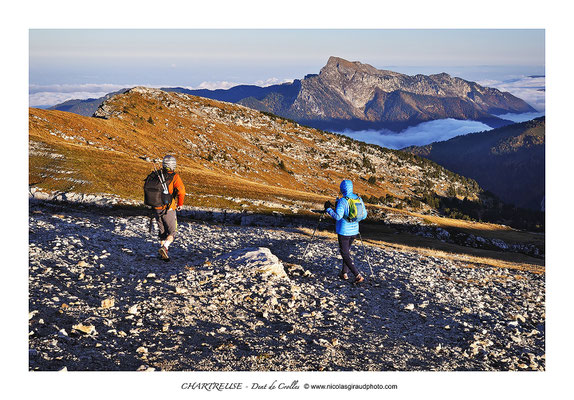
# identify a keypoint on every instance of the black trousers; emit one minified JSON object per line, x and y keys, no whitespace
{"x":345,"y":243}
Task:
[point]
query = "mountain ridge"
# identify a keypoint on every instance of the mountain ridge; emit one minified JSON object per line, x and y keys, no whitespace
{"x":357,"y":96}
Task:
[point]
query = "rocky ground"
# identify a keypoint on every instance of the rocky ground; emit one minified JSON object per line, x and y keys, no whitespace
{"x":243,"y":298}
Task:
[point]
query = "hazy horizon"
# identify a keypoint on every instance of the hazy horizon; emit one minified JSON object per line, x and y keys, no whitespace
{"x":87,"y":63}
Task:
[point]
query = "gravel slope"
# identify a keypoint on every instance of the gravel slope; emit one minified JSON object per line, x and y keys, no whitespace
{"x":100,"y":299}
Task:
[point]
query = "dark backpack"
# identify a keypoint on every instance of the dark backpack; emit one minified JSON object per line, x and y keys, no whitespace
{"x":156,"y":186}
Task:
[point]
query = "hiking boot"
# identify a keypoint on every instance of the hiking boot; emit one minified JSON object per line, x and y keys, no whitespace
{"x":163,"y":253}
{"x":343,"y":276}
{"x":359,"y":279}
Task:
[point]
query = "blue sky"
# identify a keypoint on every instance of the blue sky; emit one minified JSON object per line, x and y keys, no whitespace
{"x":72,"y":63}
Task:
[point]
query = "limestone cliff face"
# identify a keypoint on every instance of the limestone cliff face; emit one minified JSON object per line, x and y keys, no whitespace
{"x":353,"y":92}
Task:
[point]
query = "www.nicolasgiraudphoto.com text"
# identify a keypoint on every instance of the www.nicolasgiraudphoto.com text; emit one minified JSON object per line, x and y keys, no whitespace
{"x":276,"y":385}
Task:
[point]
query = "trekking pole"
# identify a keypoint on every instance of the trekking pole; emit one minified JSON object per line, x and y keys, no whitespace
{"x":313,"y":236}
{"x":161,"y":179}
{"x":366,"y":256}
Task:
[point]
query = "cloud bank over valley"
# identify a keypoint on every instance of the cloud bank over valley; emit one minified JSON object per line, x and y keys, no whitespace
{"x":531,"y":89}
{"x":50,"y":95}
{"x":419,"y":135}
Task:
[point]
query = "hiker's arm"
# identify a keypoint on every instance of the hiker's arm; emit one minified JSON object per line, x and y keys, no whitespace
{"x":178,"y":184}
{"x":339,"y":211}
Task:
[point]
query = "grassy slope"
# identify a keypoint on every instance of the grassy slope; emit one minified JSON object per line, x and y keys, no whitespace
{"x":110,"y":162}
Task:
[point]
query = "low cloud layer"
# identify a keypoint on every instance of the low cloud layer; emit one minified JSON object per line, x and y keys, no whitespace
{"x":530,"y":89}
{"x":75,"y":88}
{"x":425,"y":133}
{"x":227,"y":85}
{"x":50,"y":95}
{"x":521,"y":117}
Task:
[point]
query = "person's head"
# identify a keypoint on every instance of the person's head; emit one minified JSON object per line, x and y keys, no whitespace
{"x":346,"y":187}
{"x":169,"y":163}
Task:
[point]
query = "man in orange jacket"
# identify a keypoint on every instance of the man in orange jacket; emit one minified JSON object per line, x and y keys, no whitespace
{"x":166,"y":216}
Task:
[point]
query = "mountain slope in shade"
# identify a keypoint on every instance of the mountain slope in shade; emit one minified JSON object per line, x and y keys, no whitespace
{"x":509,"y":161}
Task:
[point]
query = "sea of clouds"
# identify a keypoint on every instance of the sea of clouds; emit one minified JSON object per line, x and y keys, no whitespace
{"x":419,"y":135}
{"x":50,"y":95}
{"x":531,"y":89}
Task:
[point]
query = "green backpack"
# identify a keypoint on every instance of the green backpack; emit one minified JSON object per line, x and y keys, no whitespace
{"x":356,"y":209}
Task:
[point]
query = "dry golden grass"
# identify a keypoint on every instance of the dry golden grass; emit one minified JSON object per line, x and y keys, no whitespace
{"x":111,"y":163}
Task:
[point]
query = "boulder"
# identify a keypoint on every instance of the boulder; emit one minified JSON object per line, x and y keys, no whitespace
{"x":255,"y":259}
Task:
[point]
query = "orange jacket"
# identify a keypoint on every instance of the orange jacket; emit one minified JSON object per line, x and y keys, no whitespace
{"x":177,"y":185}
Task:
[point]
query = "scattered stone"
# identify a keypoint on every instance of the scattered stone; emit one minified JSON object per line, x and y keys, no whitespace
{"x":85,"y":329}
{"x":520,"y":318}
{"x":180,"y":290}
{"x":107,"y":303}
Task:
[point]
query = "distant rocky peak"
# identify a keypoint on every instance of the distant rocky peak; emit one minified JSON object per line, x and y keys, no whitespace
{"x":335,"y":62}
{"x":340,"y":65}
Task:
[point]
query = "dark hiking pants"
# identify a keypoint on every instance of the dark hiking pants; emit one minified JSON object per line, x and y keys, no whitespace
{"x":345,"y":248}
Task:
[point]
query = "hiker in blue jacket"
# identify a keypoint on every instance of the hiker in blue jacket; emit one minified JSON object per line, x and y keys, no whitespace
{"x":347,"y":227}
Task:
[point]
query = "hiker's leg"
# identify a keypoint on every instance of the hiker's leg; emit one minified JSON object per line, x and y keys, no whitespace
{"x":162,"y":232}
{"x":170,"y":219}
{"x":345,"y":269}
{"x":354,"y":269}
{"x":345,"y":248}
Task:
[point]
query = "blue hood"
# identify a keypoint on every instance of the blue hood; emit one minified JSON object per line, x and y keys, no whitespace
{"x":346,"y":187}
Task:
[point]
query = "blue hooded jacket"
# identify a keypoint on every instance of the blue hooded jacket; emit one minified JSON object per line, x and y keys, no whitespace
{"x":344,"y":227}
